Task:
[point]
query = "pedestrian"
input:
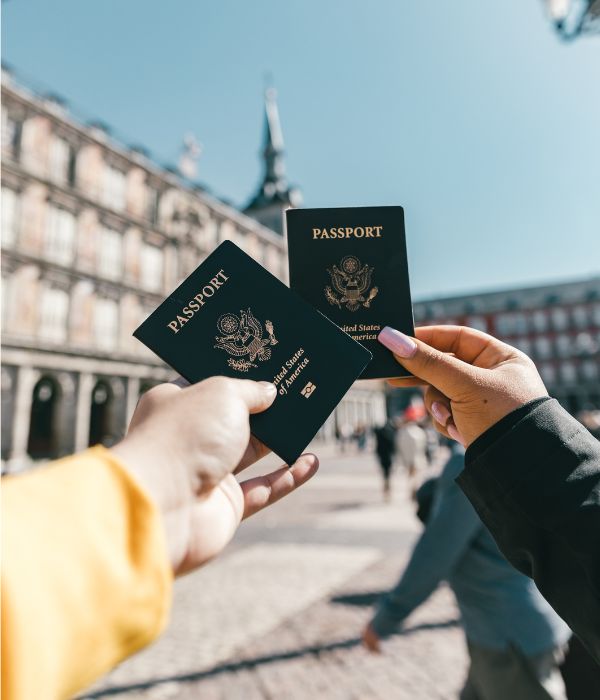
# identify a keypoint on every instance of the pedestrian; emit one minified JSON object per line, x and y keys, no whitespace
{"x":532,"y":471}
{"x":90,"y":543}
{"x":385,"y":447}
{"x":345,"y":433}
{"x":514,"y":638}
{"x":360,"y":435}
{"x":412,"y":446}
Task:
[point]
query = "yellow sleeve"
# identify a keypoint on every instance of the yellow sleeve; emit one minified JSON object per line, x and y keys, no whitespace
{"x":86,"y":579}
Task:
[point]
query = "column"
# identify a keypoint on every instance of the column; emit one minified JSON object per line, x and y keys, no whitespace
{"x":133,"y":393}
{"x":83,"y":411}
{"x":26,"y":379}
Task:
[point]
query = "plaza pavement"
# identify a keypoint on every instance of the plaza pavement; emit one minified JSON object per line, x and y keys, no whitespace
{"x":279,"y":614}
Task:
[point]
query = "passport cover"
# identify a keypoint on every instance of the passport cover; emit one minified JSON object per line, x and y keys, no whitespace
{"x":351,"y":264}
{"x":232,"y":317}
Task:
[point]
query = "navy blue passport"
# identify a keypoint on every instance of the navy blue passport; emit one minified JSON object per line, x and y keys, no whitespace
{"x":232,"y":317}
{"x":351,"y":264}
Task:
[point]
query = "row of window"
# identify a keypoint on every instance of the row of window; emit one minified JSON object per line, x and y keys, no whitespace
{"x":60,"y":243}
{"x":60,"y":313}
{"x":54,"y":316}
{"x":569,"y":372}
{"x":62,"y":167}
{"x":558,"y":319}
{"x":582,"y":344}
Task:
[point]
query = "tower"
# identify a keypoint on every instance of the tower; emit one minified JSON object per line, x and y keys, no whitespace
{"x":274,"y":195}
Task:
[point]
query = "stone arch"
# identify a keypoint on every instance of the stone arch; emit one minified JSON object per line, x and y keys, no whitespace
{"x":102,"y":414}
{"x":43,"y":440}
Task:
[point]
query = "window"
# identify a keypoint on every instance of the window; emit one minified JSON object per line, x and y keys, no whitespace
{"x":10,"y":218}
{"x":106,"y":323}
{"x":60,"y":160}
{"x":520,"y":321}
{"x":580,"y":317}
{"x":152,"y":198}
{"x":568,"y":372}
{"x":548,"y":373}
{"x":563,"y":346}
{"x":543,"y":347}
{"x":210,"y":234}
{"x":585,"y":344}
{"x":505,"y":324}
{"x":560,"y":319}
{"x":5,"y":299}
{"x":54,"y":306}
{"x":477,"y":322}
{"x":113,"y":190}
{"x":524,"y":344}
{"x":589,"y":370}
{"x":60,"y":235}
{"x":151,"y":267}
{"x":110,"y":254}
{"x":11,"y":135}
{"x":540,"y":321}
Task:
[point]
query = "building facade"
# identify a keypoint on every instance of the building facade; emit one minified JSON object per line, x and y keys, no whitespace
{"x":557,"y":325}
{"x":94,"y":236}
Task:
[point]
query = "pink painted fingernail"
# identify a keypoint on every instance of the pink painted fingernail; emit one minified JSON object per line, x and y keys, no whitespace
{"x":440,"y":412}
{"x":454,"y":434}
{"x":397,"y":342}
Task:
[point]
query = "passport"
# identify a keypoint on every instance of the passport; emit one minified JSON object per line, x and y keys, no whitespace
{"x":351,"y":264}
{"x":232,"y":317}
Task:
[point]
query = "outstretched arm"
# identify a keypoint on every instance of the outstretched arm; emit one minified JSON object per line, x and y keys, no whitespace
{"x":533,"y":471}
{"x":90,"y":543}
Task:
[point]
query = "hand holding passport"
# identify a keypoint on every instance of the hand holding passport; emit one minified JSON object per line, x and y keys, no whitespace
{"x":231,"y":317}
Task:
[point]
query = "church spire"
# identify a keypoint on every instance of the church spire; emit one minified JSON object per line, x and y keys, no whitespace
{"x":273,"y":148}
{"x":274,"y":194}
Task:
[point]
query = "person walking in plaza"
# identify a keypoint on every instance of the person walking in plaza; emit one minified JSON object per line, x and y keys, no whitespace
{"x":515,"y":640}
{"x":385,"y":448}
{"x":412,"y":445}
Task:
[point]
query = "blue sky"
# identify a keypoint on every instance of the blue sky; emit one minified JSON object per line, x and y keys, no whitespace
{"x":472,"y":115}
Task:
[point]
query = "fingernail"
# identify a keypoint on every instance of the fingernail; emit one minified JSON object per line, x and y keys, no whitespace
{"x":440,"y":412}
{"x":397,"y":342}
{"x":454,"y":434}
{"x":269,"y":387}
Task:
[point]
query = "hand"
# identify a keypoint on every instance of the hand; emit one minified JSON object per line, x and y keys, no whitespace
{"x":183,"y":445}
{"x":473,"y":379}
{"x":370,"y":640}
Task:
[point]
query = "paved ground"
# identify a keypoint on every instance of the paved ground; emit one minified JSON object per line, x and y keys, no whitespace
{"x":279,"y":615}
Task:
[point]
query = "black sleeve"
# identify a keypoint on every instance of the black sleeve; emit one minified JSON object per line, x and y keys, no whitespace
{"x":534,"y":479}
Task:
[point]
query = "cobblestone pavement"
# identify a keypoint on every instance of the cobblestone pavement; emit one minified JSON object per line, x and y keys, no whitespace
{"x":280,"y":613}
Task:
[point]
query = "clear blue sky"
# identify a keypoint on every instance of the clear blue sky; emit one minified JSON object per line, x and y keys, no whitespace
{"x":472,"y":115}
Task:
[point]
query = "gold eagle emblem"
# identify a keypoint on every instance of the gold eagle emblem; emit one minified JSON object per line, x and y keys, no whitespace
{"x":352,"y":281}
{"x":243,"y":339}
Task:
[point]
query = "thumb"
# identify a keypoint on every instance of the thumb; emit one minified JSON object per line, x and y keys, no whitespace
{"x":440,"y":369}
{"x":257,"y":396}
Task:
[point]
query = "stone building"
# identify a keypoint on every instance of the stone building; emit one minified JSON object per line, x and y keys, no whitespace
{"x":557,"y":325}
{"x":94,"y":236}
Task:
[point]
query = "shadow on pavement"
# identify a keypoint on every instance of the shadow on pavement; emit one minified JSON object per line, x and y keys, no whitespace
{"x":249,"y":664}
{"x":358,"y":599}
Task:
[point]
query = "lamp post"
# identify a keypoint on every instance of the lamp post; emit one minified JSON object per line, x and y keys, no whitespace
{"x":573,"y":18}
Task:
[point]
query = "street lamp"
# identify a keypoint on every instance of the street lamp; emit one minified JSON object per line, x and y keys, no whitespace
{"x":572,"y":18}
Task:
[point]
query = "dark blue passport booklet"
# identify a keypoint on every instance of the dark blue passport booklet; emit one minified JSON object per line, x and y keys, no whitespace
{"x":351,"y":264}
{"x":232,"y":317}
